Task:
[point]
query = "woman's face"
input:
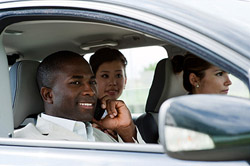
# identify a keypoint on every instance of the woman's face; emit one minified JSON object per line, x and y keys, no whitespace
{"x":111,"y":79}
{"x":215,"y":81}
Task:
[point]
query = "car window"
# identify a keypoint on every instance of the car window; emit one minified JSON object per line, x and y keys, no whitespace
{"x":238,"y":88}
{"x":140,"y":75}
{"x":140,"y":72}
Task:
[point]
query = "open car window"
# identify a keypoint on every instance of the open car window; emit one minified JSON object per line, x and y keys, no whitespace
{"x":140,"y":76}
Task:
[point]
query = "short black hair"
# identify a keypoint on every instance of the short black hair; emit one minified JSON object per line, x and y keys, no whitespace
{"x":106,"y":55}
{"x":50,"y":64}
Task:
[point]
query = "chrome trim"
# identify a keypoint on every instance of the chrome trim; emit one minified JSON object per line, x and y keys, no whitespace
{"x":130,"y":147}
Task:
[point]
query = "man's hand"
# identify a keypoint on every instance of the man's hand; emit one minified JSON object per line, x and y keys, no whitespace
{"x":118,"y":119}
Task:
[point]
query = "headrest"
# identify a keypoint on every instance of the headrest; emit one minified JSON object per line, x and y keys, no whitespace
{"x":165,"y":84}
{"x":26,"y":99}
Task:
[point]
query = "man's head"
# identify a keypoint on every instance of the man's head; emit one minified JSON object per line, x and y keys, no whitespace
{"x":67,"y":86}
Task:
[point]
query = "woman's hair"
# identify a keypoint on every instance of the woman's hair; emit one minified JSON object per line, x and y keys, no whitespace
{"x":189,"y":63}
{"x":106,"y":55}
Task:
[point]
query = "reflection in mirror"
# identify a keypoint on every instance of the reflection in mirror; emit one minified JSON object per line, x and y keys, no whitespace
{"x":206,"y":127}
{"x":180,"y":139}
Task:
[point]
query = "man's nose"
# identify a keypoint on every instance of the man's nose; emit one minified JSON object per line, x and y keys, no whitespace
{"x":88,"y":90}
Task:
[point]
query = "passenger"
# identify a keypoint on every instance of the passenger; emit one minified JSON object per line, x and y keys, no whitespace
{"x":68,"y":89}
{"x":201,"y":77}
{"x":109,"y":68}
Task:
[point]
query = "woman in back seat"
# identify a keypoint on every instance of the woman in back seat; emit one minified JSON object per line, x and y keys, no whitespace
{"x":199,"y":76}
{"x":109,"y":67}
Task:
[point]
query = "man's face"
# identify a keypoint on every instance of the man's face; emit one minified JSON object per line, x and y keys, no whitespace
{"x":74,"y":91}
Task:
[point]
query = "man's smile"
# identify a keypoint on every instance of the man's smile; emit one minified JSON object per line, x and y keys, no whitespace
{"x":86,"y":105}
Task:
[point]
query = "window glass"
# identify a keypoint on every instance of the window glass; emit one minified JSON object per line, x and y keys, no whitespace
{"x":238,"y":88}
{"x":140,"y":70}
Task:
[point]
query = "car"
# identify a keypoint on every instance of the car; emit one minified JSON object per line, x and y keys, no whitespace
{"x":217,"y":31}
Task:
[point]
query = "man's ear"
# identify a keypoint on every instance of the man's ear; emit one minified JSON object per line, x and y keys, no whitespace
{"x":194,"y":80}
{"x":47,"y":95}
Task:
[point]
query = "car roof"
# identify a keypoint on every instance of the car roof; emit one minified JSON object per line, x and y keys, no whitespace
{"x":227,"y":21}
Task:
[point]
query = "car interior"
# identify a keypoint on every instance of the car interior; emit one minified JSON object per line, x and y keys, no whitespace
{"x":165,"y":85}
{"x":26,"y":43}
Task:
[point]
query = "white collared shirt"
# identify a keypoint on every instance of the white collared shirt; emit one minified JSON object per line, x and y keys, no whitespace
{"x":83,"y":129}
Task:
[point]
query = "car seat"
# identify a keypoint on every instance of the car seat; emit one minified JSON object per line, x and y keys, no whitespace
{"x":165,"y":84}
{"x":26,"y":99}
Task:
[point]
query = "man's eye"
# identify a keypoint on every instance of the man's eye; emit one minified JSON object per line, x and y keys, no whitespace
{"x":76,"y":83}
{"x":104,"y":76}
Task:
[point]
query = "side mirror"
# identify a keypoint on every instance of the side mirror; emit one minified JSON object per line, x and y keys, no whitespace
{"x":206,"y":127}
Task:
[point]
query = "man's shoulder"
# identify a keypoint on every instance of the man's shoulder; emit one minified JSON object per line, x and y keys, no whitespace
{"x":29,"y":131}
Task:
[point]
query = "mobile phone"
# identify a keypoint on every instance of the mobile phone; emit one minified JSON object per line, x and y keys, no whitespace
{"x":99,"y":111}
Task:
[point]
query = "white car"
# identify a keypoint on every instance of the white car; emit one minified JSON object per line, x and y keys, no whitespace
{"x":217,"y":31}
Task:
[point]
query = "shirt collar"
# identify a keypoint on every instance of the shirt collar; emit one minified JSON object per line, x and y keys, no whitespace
{"x":66,"y":123}
{"x":80,"y":128}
